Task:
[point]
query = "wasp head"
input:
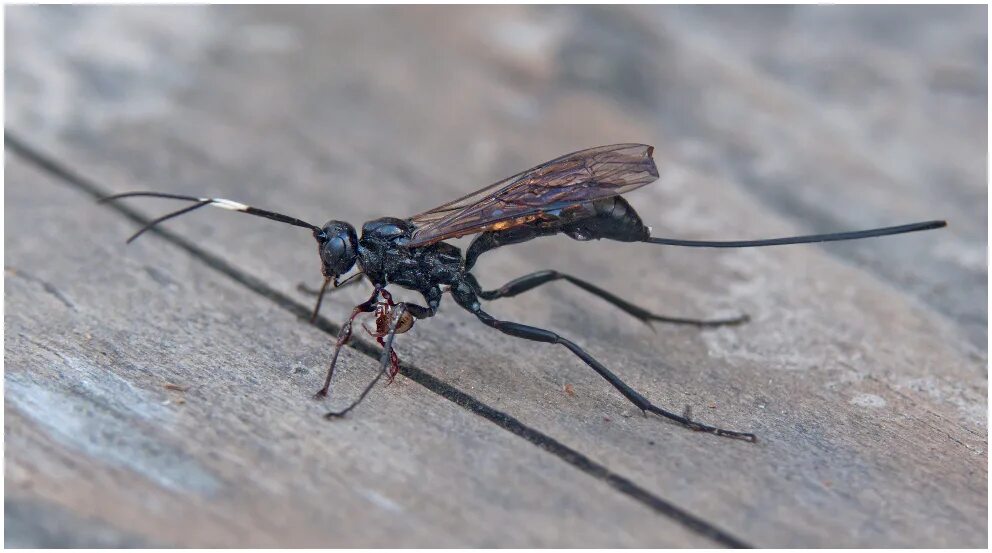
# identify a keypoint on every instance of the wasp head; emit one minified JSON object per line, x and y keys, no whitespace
{"x":337,"y":244}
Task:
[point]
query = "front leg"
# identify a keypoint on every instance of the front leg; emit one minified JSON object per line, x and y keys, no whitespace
{"x":344,"y":335}
{"x":387,"y":354}
{"x":353,"y":279}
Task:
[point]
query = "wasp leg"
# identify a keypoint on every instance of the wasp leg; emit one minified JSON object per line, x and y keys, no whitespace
{"x":433,"y":298}
{"x":320,"y":299}
{"x":541,"y":335}
{"x":384,"y":364}
{"x":466,"y":298}
{"x":533,"y":280}
{"x":394,"y":360}
{"x":353,"y":279}
{"x":344,"y":335}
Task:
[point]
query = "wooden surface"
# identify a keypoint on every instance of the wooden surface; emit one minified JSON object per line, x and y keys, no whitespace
{"x":159,"y":394}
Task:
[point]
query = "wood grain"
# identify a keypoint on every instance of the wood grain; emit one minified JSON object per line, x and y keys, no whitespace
{"x":863,"y":370}
{"x":195,"y":427}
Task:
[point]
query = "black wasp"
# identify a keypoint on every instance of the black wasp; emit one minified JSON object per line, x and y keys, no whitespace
{"x":578,"y":195}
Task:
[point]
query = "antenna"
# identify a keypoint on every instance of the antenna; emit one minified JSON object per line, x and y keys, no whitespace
{"x":201,"y":202}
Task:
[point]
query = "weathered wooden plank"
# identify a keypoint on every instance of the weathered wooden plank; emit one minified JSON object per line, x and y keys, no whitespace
{"x":872,"y":96}
{"x":870,"y":403}
{"x":150,"y":401}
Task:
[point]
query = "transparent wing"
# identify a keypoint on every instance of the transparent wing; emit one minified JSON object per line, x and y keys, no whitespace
{"x":540,"y":193}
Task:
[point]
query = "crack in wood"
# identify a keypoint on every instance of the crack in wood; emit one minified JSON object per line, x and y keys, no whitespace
{"x":45,"y":285}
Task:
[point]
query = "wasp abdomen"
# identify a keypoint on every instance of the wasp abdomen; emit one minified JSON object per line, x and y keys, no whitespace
{"x":613,"y":219}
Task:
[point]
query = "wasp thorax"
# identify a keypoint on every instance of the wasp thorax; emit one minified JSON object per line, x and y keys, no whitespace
{"x":337,"y":244}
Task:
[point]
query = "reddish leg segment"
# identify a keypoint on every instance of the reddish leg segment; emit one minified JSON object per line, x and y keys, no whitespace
{"x":343,"y":336}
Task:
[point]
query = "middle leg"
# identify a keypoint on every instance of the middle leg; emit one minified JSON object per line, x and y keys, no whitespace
{"x":407,"y":313}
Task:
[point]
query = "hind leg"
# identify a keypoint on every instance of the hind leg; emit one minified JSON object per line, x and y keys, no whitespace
{"x":533,"y":280}
{"x":467,"y":300}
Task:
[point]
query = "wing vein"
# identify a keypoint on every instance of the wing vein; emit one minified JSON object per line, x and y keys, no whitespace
{"x":568,"y":180}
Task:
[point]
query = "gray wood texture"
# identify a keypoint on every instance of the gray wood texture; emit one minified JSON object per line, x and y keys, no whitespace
{"x":159,"y":394}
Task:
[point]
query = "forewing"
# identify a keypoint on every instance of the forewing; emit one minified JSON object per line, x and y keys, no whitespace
{"x":536,"y":193}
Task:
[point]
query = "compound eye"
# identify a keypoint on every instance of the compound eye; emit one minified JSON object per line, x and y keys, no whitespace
{"x":337,"y":246}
